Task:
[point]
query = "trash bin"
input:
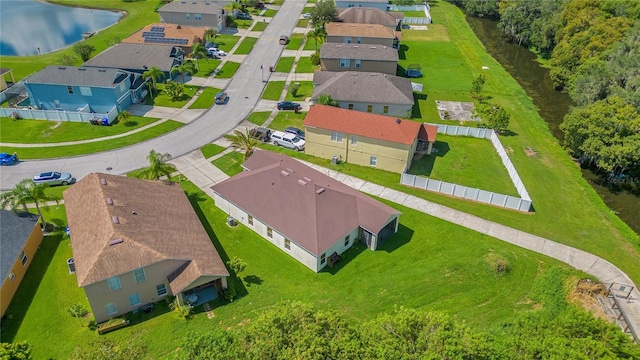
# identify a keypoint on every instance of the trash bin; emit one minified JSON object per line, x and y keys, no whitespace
{"x":72,"y":266}
{"x":105,"y":121}
{"x":270,"y":68}
{"x":334,"y":160}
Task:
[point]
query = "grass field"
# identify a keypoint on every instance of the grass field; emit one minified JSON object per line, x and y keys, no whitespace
{"x":28,"y":153}
{"x":27,"y":131}
{"x":246,"y":46}
{"x":160,"y":98}
{"x":305,"y":66}
{"x":226,"y":42}
{"x":285,"y":119}
{"x":311,"y":44}
{"x":230,"y":163}
{"x":304,"y":91}
{"x":273,"y":90}
{"x":285,"y":64}
{"x":294,"y":42}
{"x":270,"y":13}
{"x":205,"y":99}
{"x":259,"y":26}
{"x":258,"y":117}
{"x":228,"y":70}
{"x":210,"y":150}
{"x":207,"y":66}
{"x":303,"y":23}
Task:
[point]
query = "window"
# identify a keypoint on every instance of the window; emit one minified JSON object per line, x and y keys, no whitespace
{"x":12,"y":276}
{"x":323,"y":258}
{"x":287,"y":244}
{"x":114,"y":283}
{"x":70,"y":90}
{"x":373,"y":161}
{"x":369,"y":108}
{"x":358,"y":63}
{"x":270,"y":232}
{"x":336,"y":136}
{"x":134,"y":299}
{"x":354,"y":140}
{"x":197,"y":16}
{"x":347,"y":40}
{"x":250,"y":220}
{"x":358,"y":40}
{"x":345,"y":63}
{"x":85,"y":91}
{"x":188,"y":16}
{"x":23,"y":258}
{"x":350,"y":106}
{"x":139,"y":274}
{"x":346,"y":241}
{"x":111,"y":308}
{"x":57,"y":104}
{"x":385,"y":109}
{"x":161,"y":289}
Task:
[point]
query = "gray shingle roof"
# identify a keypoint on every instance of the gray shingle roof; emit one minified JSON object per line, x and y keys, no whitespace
{"x":14,"y":233}
{"x":367,"y":87}
{"x":83,"y":76}
{"x":134,"y":56}
{"x":369,"y":16}
{"x":358,"y":51}
{"x":191,"y":6}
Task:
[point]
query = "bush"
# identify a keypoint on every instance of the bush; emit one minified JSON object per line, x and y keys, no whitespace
{"x":229,"y":293}
{"x":497,"y":263}
{"x":112,"y":324}
{"x":315,"y":58}
{"x":294,"y":89}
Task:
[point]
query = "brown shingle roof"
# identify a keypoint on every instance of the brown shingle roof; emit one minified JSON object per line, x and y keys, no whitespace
{"x":172,"y":31}
{"x":359,"y":51}
{"x":360,"y":30}
{"x":156,"y":222}
{"x":134,"y":56}
{"x":285,"y":194}
{"x":362,"y":124}
{"x":367,"y":87}
{"x":368,"y":16}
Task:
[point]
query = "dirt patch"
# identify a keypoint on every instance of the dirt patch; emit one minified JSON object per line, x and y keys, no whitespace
{"x":586,"y":293}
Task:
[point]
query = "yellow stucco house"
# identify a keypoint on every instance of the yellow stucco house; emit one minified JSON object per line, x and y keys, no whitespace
{"x":365,"y":139}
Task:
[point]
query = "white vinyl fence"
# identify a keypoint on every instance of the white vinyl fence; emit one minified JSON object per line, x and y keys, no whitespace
{"x":522,"y":203}
{"x":413,"y":20}
{"x":57,"y":115}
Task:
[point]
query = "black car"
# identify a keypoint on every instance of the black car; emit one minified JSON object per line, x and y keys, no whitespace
{"x":295,"y":130}
{"x":261,"y":133}
{"x":288,"y":105}
{"x":244,"y":16}
{"x":221,"y":98}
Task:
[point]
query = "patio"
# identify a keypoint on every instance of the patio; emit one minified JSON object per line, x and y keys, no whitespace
{"x":201,"y":294}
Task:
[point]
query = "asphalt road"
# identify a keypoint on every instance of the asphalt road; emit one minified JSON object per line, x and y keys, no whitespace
{"x":244,"y":92}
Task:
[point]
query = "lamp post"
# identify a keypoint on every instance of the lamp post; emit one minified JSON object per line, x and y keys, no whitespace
{"x":262,"y":72}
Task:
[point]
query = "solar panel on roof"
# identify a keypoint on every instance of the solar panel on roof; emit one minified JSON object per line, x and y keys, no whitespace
{"x":157,"y":28}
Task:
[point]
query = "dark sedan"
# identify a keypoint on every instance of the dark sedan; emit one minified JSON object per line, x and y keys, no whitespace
{"x":295,"y":130}
{"x":288,"y":105}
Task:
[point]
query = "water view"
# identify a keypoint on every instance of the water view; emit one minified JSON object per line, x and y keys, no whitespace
{"x":30,"y":27}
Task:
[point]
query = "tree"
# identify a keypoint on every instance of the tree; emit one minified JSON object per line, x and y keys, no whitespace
{"x":325,"y":11}
{"x":198,"y":51}
{"x":158,"y":166}
{"x":123,"y":116}
{"x":78,"y":311}
{"x":154,"y":74}
{"x":237,"y":265}
{"x":243,"y":141}
{"x":214,"y":344}
{"x":326,"y":99}
{"x":67,"y":60}
{"x":498,"y":118}
{"x":24,"y":192}
{"x":174,"y":89}
{"x":107,"y":349}
{"x":315,"y":58}
{"x":210,"y":35}
{"x":477,"y":86}
{"x":15,"y":351}
{"x":184,"y":69}
{"x":83,"y":50}
{"x":318,"y":33}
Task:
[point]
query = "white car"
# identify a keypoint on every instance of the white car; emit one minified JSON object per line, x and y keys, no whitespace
{"x":221,"y":52}
{"x":288,"y":140}
{"x":306,"y":16}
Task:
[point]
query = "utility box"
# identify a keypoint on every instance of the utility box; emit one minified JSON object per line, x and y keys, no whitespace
{"x":334,"y":160}
{"x":231,"y":221}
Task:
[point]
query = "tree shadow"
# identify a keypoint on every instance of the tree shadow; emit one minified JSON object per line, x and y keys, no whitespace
{"x":253,"y":280}
{"x":401,"y":52}
{"x":507,"y":133}
{"x":401,"y":237}
{"x":130,"y":123}
{"x":424,"y":165}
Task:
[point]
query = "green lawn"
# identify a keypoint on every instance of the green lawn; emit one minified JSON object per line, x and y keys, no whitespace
{"x":466,"y":161}
{"x":162,"y":99}
{"x":285,"y":64}
{"x":414,"y":14}
{"x":226,"y":42}
{"x":230,"y":163}
{"x":258,"y":117}
{"x":303,"y":23}
{"x":259,"y":26}
{"x":307,"y":9}
{"x":294,"y":42}
{"x":305,"y":66}
{"x":270,"y":13}
{"x":246,"y":46}
{"x":273,"y":90}
{"x":206,"y":67}
{"x":55,"y":192}
{"x":210,"y":150}
{"x":228,"y":70}
{"x":311,"y":44}
{"x":93,"y":147}
{"x":27,"y":131}
{"x":205,"y":99}
{"x":305,"y":91}
{"x":241,"y":24}
{"x":285,"y":119}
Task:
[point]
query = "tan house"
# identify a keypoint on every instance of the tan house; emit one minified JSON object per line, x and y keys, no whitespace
{"x":20,"y":237}
{"x":365,"y":139}
{"x":354,"y":57}
{"x":370,"y":15}
{"x":354,"y":33}
{"x":365,"y":91}
{"x":168,"y":34}
{"x":199,"y":13}
{"x":303,"y":212}
{"x":136,"y":241}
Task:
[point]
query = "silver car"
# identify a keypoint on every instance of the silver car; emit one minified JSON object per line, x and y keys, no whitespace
{"x":53,"y":178}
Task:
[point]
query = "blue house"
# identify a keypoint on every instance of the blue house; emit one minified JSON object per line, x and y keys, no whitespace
{"x":84,"y":89}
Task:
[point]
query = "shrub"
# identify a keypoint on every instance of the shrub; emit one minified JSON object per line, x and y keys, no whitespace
{"x":294,"y":89}
{"x":497,"y":263}
{"x":315,"y":58}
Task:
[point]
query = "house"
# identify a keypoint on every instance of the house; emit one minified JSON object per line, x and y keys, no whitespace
{"x":136,"y":241}
{"x":139,"y":58}
{"x":363,"y":15}
{"x":85,"y":89}
{"x":363,"y":57}
{"x":366,"y":91}
{"x":375,"y":4}
{"x":199,"y":13}
{"x":303,"y":212}
{"x":20,"y":237}
{"x":360,"y":138}
{"x":354,"y":33}
{"x":168,"y":35}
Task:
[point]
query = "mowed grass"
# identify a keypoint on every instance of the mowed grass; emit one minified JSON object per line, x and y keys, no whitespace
{"x":313,"y":44}
{"x":259,"y":26}
{"x":28,"y":131}
{"x":205,"y":99}
{"x":305,"y":66}
{"x":226,"y":42}
{"x":160,"y":97}
{"x":465,"y":161}
{"x":28,"y":153}
{"x":207,"y":66}
{"x":304,"y":91}
{"x":285,"y":64}
{"x":294,"y":42}
{"x":270,"y":13}
{"x":303,"y":23}
{"x":230,"y":163}
{"x":245,"y":46}
{"x":210,"y":150}
{"x":258,"y":117}
{"x":273,"y":90}
{"x":228,"y":70}
{"x":284,"y":119}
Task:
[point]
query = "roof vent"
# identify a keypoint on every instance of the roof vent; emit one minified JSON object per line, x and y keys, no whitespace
{"x":116,"y":241}
{"x":82,"y":69}
{"x":284,"y":173}
{"x":307,"y":179}
{"x":62,"y":68}
{"x":289,"y":170}
{"x":320,"y":191}
{"x":109,"y":201}
{"x":302,"y":182}
{"x":103,"y":181}
{"x":373,"y":47}
{"x":398,"y":121}
{"x":115,"y":219}
{"x":134,"y":212}
{"x":102,"y":70}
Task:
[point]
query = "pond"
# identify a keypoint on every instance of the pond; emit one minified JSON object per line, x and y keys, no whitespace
{"x":30,"y":27}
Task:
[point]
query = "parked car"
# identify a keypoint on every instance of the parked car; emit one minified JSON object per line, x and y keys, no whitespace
{"x":7,"y":159}
{"x":295,"y":130}
{"x":287,"y":140}
{"x":220,"y":52}
{"x":213,"y":55}
{"x":306,"y":16}
{"x":53,"y":178}
{"x":284,"y":40}
{"x":261,"y":133}
{"x":221,"y":98}
{"x":243,"y":16}
{"x":288,"y":105}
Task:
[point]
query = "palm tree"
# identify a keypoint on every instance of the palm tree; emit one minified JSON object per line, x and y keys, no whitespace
{"x":198,"y":51}
{"x":243,"y":141}
{"x":158,"y":166}
{"x":184,"y":69}
{"x":155,"y":74}
{"x":318,"y":33}
{"x":123,"y":116}
{"x":26,"y":191}
{"x":210,"y":35}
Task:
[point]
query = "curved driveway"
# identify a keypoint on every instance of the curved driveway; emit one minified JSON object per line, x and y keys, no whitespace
{"x":244,"y":92}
